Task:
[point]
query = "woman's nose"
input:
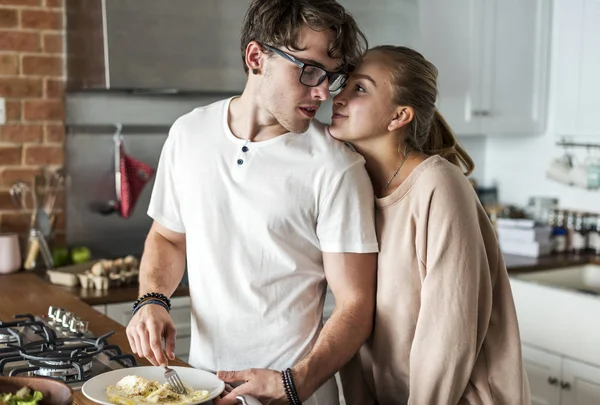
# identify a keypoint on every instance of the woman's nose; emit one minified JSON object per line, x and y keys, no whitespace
{"x":340,"y":99}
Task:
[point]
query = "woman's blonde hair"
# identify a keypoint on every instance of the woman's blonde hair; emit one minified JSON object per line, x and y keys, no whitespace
{"x":414,"y":79}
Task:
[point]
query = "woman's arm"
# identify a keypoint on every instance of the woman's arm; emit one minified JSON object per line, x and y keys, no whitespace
{"x":456,"y":297}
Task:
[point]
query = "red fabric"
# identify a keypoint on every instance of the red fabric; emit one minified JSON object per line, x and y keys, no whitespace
{"x":134,"y":176}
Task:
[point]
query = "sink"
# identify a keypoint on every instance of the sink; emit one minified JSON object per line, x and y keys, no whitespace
{"x":585,"y":278}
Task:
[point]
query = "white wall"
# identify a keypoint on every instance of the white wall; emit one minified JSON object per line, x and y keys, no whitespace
{"x":476,"y":148}
{"x":518,"y":167}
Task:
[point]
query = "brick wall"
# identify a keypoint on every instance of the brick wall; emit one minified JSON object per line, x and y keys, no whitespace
{"x":32,"y":72}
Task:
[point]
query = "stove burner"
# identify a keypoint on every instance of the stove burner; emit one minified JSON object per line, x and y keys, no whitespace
{"x":7,"y":337}
{"x":37,"y":346}
{"x":65,"y":369}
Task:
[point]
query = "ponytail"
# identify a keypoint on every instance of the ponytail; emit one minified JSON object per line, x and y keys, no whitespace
{"x":442,"y":141}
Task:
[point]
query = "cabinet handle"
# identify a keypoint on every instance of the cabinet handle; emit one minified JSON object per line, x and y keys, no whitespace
{"x":552,"y":380}
{"x":481,"y":113}
{"x":565,"y":386}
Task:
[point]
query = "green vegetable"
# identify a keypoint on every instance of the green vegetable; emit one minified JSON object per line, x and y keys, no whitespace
{"x":22,"y":397}
{"x":61,"y":256}
{"x":81,"y":255}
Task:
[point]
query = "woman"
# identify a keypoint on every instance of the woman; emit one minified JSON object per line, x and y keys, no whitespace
{"x":445,"y":327}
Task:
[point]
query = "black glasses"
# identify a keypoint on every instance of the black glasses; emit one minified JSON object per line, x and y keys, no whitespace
{"x":312,"y":75}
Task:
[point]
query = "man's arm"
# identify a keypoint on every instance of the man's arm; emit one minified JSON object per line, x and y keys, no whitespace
{"x":161,"y":270}
{"x":163,"y":261}
{"x":351,"y":277}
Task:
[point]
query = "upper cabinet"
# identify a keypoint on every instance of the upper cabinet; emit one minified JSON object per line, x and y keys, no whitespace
{"x":576,"y":62}
{"x":386,"y":22}
{"x":493,"y":62}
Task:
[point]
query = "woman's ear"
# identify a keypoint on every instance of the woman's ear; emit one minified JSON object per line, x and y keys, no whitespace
{"x":254,"y":57}
{"x":402,"y":116}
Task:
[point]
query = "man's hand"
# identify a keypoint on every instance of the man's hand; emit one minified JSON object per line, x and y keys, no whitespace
{"x":262,"y":384}
{"x":146,"y":331}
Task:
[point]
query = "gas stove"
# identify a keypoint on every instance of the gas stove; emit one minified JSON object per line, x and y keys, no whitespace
{"x":57,"y":345}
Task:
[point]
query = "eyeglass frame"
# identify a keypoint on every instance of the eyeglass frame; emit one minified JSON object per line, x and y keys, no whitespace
{"x":304,"y":65}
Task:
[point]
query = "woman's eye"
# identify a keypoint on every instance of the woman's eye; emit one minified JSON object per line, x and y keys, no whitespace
{"x":359,"y":88}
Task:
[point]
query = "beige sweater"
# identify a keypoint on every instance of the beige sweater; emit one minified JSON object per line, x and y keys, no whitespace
{"x":445,"y":328}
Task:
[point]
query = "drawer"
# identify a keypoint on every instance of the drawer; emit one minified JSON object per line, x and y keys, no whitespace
{"x":182,"y":346}
{"x":181,"y":311}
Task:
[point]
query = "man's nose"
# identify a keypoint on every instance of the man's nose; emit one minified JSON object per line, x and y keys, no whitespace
{"x":321,"y":92}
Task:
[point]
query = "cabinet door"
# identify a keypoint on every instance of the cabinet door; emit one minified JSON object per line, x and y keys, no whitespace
{"x":386,"y":22}
{"x":120,"y":313}
{"x":451,"y":40}
{"x":515,"y":53}
{"x":544,"y":374}
{"x":576,"y":61}
{"x":589,"y":100}
{"x":580,"y":383}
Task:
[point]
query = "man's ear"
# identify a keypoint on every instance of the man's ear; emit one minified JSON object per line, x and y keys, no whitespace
{"x":402,"y":117}
{"x":254,"y":57}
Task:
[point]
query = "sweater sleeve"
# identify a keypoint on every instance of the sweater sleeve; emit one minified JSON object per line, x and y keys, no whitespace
{"x":456,"y":294}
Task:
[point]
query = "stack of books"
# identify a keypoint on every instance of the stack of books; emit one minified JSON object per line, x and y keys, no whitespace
{"x":524,"y":237}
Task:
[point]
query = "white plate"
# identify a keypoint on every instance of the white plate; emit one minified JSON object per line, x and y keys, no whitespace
{"x":95,"y":388}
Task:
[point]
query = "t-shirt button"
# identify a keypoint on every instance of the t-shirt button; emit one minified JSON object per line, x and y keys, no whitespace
{"x":245,"y":149}
{"x":240,"y":162}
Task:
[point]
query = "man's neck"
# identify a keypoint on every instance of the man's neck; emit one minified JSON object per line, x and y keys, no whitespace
{"x":247,"y":121}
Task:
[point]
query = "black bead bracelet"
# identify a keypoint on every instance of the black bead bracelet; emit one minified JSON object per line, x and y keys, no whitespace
{"x":152,"y":296}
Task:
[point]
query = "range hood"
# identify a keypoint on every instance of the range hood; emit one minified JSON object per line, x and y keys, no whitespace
{"x":155,"y":45}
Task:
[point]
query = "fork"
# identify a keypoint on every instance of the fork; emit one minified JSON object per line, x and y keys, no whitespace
{"x":174,"y":381}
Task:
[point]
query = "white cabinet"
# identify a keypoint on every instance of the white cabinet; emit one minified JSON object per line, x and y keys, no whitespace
{"x":581,"y":383}
{"x":180,"y":313}
{"x":493,"y":61}
{"x":557,"y":380}
{"x":576,"y":62}
{"x":544,"y":373}
{"x":386,"y":22}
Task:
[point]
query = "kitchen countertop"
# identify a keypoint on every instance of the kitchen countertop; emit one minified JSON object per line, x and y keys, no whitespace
{"x":28,"y":293}
{"x":522,"y":264}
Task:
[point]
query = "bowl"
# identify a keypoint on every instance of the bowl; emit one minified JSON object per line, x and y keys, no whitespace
{"x":54,"y":392}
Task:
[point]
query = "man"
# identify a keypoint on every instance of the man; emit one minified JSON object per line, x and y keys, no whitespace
{"x":268,"y":209}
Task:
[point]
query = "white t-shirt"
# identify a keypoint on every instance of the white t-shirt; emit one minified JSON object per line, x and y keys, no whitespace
{"x":257,"y":217}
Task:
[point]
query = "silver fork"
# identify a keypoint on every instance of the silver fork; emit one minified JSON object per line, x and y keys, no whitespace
{"x":174,"y":381}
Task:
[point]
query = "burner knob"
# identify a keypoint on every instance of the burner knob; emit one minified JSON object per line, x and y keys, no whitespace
{"x":55,"y":313}
{"x":66,"y":319}
{"x":82,"y":326}
{"x":73,"y":324}
{"x":76,"y":325}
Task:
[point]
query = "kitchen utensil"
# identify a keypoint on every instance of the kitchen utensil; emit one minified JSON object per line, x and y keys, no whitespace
{"x":174,"y":381}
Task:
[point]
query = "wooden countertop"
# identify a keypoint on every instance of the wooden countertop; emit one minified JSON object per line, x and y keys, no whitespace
{"x":522,"y":264}
{"x":28,"y":293}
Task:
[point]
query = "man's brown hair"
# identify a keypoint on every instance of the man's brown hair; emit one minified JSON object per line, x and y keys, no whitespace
{"x":278,"y":22}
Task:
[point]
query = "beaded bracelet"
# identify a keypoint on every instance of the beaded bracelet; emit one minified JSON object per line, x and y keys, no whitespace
{"x":286,"y":388}
{"x":290,"y":387}
{"x":150,"y":301}
{"x":152,"y":295}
